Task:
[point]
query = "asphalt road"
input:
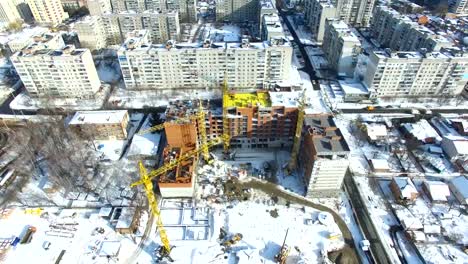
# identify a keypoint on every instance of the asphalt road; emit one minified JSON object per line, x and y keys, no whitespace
{"x":377,"y":250}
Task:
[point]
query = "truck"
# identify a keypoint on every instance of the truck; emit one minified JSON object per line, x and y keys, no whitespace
{"x":28,"y":234}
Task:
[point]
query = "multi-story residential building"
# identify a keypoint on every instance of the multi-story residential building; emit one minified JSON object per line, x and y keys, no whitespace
{"x":112,"y":28}
{"x":73,"y":4}
{"x":316,"y":13}
{"x":162,"y":26}
{"x":50,"y":71}
{"x":100,"y":125}
{"x":405,"y":74}
{"x":23,"y":10}
{"x":237,"y":11}
{"x":99,"y":7}
{"x":341,"y":47}
{"x":323,"y":157}
{"x":8,"y":12}
{"x":185,"y":8}
{"x":247,"y":65}
{"x":271,"y":27}
{"x":91,"y":33}
{"x":47,"y":12}
{"x":266,"y":7}
{"x":397,"y":32}
{"x":355,"y":12}
{"x":459,"y":7}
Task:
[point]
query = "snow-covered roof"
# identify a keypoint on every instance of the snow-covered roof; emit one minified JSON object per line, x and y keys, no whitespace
{"x":374,"y":131}
{"x":410,"y":222}
{"x":461,"y":185}
{"x":406,"y":186}
{"x":438,"y":190}
{"x":422,"y":130}
{"x":98,"y":117}
{"x":457,"y":145}
{"x":105,"y":211}
{"x":109,"y":248}
{"x":126,"y":217}
{"x":380,"y":164}
{"x":431,"y":229}
{"x":353,"y":87}
{"x":146,"y":145}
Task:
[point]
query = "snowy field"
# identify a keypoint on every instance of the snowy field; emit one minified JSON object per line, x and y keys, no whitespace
{"x":72,"y":231}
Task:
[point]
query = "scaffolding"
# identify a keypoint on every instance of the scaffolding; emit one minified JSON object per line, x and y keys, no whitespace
{"x":258,"y":98}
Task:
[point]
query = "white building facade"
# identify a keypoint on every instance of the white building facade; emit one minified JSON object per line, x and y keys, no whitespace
{"x":403,"y":74}
{"x":247,"y":65}
{"x":57,"y":72}
{"x":316,"y":13}
{"x":341,"y":47}
{"x":47,"y":12}
{"x":91,"y":33}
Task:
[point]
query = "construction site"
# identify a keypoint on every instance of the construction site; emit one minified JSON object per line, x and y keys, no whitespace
{"x":195,"y":177}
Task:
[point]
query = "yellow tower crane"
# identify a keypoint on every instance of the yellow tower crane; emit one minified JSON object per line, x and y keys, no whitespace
{"x":146,"y":181}
{"x":292,"y":165}
{"x":226,"y":132}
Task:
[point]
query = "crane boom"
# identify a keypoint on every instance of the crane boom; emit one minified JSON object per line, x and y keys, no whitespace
{"x":202,"y":132}
{"x":174,"y":163}
{"x":153,"y":204}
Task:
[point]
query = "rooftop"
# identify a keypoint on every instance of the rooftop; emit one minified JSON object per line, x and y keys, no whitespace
{"x":260,"y":99}
{"x":325,"y":145}
{"x":461,"y":184}
{"x":353,"y":87}
{"x":98,"y":117}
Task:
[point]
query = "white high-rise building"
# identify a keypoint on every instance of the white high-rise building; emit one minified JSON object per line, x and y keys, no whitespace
{"x":237,"y":11}
{"x":355,"y":12}
{"x":170,"y":66}
{"x":8,"y":12}
{"x":341,"y":47}
{"x":50,"y":71}
{"x":459,"y":7}
{"x":185,"y":8}
{"x":316,"y":13}
{"x":99,"y":7}
{"x":406,"y":74}
{"x":399,"y":33}
{"x":162,"y":26}
{"x":91,"y":32}
{"x":47,"y":12}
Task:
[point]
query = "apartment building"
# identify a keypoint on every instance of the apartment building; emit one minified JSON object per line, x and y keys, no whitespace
{"x":405,"y":74}
{"x":50,"y":71}
{"x":162,"y":26}
{"x":397,"y":32}
{"x":23,"y":10}
{"x":341,"y":47}
{"x":8,"y":12}
{"x":271,"y":27}
{"x":247,"y":65}
{"x":73,"y":4}
{"x":185,"y":8}
{"x":237,"y":11}
{"x":266,"y":7}
{"x":91,"y":33}
{"x":355,"y":12}
{"x":459,"y":7}
{"x":47,"y":12}
{"x":316,"y":13}
{"x":100,"y":125}
{"x":323,"y":156}
{"x":99,"y":7}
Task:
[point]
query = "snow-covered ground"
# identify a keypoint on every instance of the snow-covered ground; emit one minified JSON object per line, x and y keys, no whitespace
{"x":122,"y":98}
{"x":81,"y":243}
{"x":304,"y":35}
